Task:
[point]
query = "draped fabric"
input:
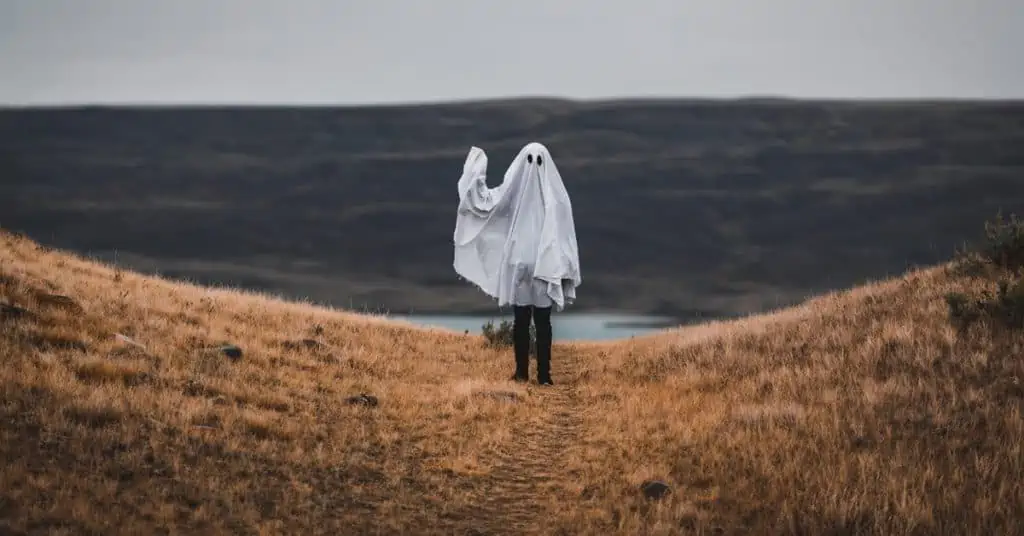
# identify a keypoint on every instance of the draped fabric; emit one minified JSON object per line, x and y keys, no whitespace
{"x":517,"y":241}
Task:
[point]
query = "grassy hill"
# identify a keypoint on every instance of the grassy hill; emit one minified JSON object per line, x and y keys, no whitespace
{"x":859,"y":412}
{"x":682,"y":207}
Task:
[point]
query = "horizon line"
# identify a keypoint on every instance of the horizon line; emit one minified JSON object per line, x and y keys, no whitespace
{"x":753,"y":98}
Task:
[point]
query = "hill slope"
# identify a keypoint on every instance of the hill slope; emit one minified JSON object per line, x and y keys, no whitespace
{"x":857,"y":412}
{"x":682,"y":206}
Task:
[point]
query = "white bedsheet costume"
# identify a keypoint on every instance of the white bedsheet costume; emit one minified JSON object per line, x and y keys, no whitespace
{"x":517,"y":241}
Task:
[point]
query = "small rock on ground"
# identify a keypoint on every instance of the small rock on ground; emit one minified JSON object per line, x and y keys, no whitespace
{"x":233,"y":352}
{"x":655,"y":489}
{"x":363,"y":400}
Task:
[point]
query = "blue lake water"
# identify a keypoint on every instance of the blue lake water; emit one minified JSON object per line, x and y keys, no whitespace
{"x":565,"y":326}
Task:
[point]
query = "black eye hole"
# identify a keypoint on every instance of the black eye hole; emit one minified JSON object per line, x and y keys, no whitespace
{"x":540,"y":160}
{"x":529,"y":158}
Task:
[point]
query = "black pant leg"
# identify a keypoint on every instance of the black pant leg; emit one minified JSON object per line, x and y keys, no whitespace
{"x":542,"y":319}
{"x":521,"y":339}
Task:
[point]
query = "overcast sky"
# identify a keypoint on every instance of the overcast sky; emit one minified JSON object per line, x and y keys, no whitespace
{"x":376,"y":51}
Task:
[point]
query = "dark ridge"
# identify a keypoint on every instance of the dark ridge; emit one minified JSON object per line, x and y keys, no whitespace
{"x":728,"y":205}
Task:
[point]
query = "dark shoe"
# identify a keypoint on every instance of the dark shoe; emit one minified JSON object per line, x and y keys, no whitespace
{"x":519,"y":378}
{"x":544,"y":366}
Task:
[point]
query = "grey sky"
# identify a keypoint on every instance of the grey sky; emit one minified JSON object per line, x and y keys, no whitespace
{"x":369,"y":51}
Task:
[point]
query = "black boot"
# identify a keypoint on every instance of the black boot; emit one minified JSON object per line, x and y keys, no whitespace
{"x":542,"y":319}
{"x":521,"y":342}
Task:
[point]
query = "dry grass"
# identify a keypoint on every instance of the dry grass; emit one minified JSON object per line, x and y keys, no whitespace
{"x":859,"y":412}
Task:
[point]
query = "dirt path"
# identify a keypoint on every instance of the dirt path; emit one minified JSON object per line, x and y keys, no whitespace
{"x":528,"y":480}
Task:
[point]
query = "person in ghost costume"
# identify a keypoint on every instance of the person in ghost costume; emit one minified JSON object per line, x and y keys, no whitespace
{"x":517,"y":243}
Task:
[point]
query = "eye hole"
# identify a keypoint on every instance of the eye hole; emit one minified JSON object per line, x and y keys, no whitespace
{"x":529,"y":158}
{"x":540,"y":160}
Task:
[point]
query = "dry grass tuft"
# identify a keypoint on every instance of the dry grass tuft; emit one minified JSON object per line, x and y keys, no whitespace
{"x":860,"y":412}
{"x":103,"y":371}
{"x":96,"y":416}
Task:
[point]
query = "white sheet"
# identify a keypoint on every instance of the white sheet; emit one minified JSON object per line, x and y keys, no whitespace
{"x":517,"y":241}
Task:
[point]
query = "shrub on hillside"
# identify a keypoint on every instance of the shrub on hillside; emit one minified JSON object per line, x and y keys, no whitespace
{"x":1001,"y":249}
{"x":1004,"y":242}
{"x":500,"y":336}
{"x":1004,"y":306}
{"x":1000,"y":257}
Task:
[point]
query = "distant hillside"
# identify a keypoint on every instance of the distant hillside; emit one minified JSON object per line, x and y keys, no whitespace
{"x":682,"y":207}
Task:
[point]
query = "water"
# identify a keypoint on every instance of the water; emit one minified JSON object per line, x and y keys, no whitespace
{"x":566,"y":326}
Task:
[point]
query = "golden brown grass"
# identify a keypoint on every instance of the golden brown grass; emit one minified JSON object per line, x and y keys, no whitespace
{"x":858,"y":412}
